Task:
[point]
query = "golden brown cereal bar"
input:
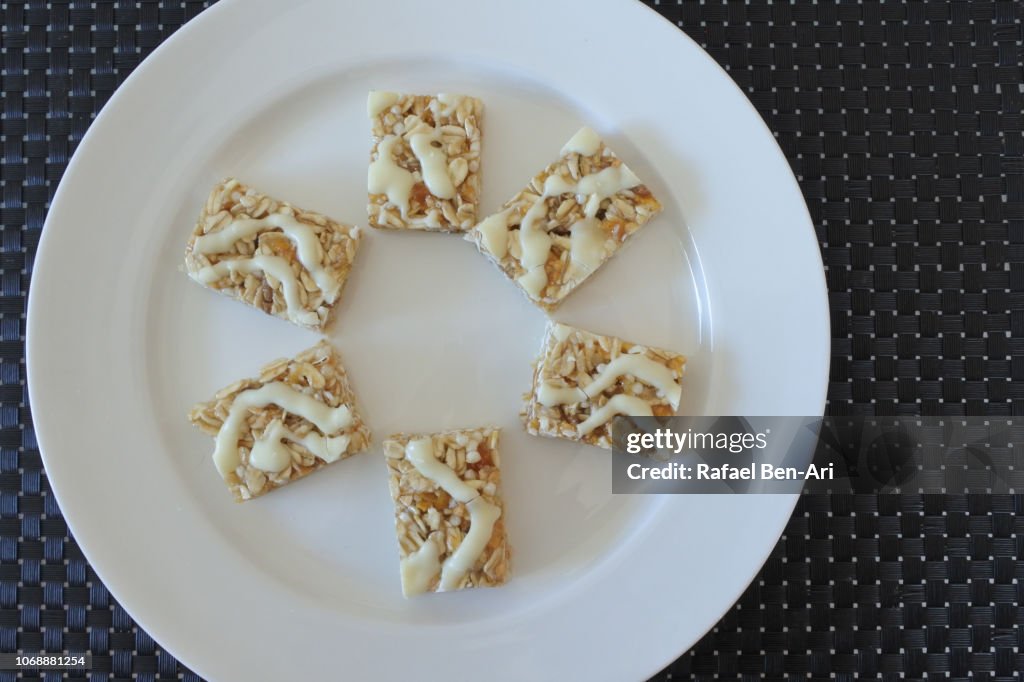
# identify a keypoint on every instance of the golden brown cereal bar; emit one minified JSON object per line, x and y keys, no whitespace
{"x":449,"y":514}
{"x":296,"y":417}
{"x":425,"y":163}
{"x":276,"y":257}
{"x":572,"y":217}
{"x":582,"y":380}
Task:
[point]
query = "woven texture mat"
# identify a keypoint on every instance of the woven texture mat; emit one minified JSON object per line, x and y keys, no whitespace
{"x":903,"y":124}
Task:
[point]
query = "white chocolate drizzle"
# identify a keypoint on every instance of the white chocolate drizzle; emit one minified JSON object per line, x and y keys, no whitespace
{"x":379,"y":100}
{"x":587,"y":237}
{"x":534,"y":281}
{"x":585,"y":143}
{"x":420,"y":452}
{"x":271,"y":266}
{"x":618,"y":404}
{"x":534,"y":241}
{"x":328,"y":419}
{"x":586,"y":249}
{"x":420,"y":568}
{"x":494,"y":233}
{"x":607,"y":182}
{"x":307,"y":245}
{"x":601,"y":184}
{"x":643,"y":368}
{"x":387,"y":177}
{"x":482,"y":516}
{"x":434,"y":162}
{"x":445,"y":104}
{"x":550,"y":396}
{"x":271,"y":454}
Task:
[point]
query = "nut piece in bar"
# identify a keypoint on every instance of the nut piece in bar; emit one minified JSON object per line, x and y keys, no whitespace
{"x":298,"y":416}
{"x":425,"y":164}
{"x":285,"y":261}
{"x":572,"y":217}
{"x":448,"y":510}
{"x":582,"y":380}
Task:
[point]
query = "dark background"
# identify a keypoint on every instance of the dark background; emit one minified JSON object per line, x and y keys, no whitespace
{"x":902,"y":122}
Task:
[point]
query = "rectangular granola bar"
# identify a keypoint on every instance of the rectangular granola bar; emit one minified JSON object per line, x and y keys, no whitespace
{"x":582,"y":380}
{"x":425,"y":164}
{"x":281,"y":259}
{"x":448,"y":510}
{"x":296,"y":417}
{"x":572,"y":217}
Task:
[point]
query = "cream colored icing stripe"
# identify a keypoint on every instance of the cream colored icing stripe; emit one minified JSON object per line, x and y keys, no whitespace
{"x":418,"y":569}
{"x":271,"y":454}
{"x":327,"y":419}
{"x":272,"y":266}
{"x":434,"y":164}
{"x":643,"y":368}
{"x":307,"y":245}
{"x":619,"y":404}
{"x":387,"y":177}
{"x":587,"y":238}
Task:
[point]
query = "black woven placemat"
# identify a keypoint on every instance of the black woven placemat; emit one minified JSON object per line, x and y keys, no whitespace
{"x":902,"y":122}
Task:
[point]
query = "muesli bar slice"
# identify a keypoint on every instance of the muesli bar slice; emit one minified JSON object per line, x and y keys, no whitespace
{"x":449,"y":514}
{"x":572,"y":217}
{"x":276,"y":257}
{"x":296,"y":417}
{"x":582,"y":380}
{"x":424,"y":169}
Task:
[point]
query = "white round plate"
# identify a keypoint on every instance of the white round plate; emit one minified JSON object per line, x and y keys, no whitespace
{"x":303,"y":584}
